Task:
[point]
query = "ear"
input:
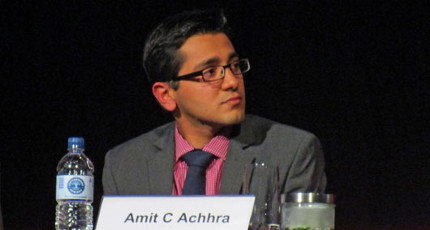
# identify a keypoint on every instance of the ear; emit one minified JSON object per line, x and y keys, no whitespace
{"x":163,"y":93}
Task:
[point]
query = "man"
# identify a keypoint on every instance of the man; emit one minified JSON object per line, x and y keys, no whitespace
{"x":197,"y":75}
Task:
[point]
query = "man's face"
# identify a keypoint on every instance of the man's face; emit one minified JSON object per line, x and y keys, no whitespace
{"x":219,"y":103}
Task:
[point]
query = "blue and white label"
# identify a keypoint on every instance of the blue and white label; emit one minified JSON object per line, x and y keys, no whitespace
{"x":75,"y":187}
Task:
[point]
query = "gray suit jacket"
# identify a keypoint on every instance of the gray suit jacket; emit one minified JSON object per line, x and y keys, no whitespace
{"x":144,"y":165}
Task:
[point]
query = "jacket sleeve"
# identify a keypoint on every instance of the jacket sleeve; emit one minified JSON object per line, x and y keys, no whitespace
{"x":108,"y":179}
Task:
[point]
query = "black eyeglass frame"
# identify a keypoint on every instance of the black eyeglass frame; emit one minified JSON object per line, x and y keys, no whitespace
{"x":200,"y":72}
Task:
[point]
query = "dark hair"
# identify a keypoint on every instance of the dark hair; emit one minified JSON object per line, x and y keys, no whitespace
{"x":161,"y":60}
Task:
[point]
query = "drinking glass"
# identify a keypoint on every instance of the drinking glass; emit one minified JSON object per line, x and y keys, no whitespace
{"x":262,"y":180}
{"x":308,"y":211}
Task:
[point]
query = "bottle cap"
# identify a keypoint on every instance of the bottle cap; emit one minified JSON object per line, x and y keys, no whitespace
{"x":75,"y":142}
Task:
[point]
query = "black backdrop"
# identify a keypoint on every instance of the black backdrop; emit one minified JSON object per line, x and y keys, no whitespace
{"x":352,"y":72}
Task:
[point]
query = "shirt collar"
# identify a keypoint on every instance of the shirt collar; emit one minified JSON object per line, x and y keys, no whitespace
{"x":217,"y":146}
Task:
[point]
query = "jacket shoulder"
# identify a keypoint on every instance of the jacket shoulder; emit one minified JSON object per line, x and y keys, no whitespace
{"x":142,"y":142}
{"x":263,"y":127}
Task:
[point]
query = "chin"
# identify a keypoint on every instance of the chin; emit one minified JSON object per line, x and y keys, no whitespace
{"x":234,"y":119}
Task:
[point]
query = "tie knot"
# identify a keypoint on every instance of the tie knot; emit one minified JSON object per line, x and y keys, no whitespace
{"x":198,"y":158}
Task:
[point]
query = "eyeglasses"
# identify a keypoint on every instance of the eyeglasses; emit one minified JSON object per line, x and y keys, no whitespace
{"x":218,"y":72}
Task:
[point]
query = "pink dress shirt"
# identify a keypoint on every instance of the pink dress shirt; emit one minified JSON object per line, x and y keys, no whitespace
{"x":217,"y":146}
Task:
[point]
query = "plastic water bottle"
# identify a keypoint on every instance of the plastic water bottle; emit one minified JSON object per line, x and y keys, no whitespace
{"x":74,"y":190}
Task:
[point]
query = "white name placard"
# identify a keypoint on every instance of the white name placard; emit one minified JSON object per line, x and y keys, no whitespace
{"x":175,"y":212}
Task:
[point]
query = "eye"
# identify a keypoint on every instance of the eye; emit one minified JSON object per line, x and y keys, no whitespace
{"x":235,"y":65}
{"x":210,"y":72}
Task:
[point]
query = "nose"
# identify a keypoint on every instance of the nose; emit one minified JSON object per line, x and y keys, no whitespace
{"x":230,"y":80}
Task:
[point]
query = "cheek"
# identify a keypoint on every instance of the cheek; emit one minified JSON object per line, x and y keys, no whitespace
{"x":198,"y":98}
{"x":205,"y":101}
{"x":195,"y":100}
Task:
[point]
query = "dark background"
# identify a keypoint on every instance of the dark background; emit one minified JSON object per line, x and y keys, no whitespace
{"x":352,"y":72}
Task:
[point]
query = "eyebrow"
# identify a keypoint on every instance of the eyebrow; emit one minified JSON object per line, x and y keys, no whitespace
{"x":214,"y":61}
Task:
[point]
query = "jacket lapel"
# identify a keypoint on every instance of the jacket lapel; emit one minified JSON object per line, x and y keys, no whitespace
{"x":237,"y":156}
{"x":160,"y":167}
{"x":231,"y":181}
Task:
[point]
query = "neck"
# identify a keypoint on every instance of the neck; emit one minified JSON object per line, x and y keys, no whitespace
{"x":200,"y":135}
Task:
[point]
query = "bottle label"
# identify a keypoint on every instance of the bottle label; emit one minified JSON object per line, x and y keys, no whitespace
{"x":75,"y":187}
